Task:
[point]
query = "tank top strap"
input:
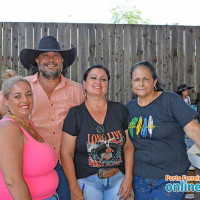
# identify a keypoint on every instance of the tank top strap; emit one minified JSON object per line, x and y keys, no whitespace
{"x":2,"y":120}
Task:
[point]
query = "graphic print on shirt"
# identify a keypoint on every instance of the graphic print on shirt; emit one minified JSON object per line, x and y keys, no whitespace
{"x":141,"y":127}
{"x":105,"y":150}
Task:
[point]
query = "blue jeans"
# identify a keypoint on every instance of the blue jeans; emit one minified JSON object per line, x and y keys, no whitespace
{"x":101,"y":189}
{"x":63,"y":187}
{"x":154,"y":189}
{"x":54,"y":197}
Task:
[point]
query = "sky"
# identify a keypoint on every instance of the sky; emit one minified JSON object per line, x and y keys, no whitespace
{"x":161,"y":12}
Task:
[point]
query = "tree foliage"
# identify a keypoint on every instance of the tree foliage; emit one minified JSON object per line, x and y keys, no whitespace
{"x":127,"y":15}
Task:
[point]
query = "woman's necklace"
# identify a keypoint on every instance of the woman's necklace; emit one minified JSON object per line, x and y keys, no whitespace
{"x":27,"y":125}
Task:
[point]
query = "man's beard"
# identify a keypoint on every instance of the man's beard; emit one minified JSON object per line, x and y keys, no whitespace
{"x":52,"y":75}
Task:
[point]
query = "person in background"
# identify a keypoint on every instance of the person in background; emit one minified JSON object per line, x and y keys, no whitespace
{"x":96,"y":150}
{"x":53,"y":94}
{"x":10,"y":73}
{"x":27,"y":162}
{"x":183,"y":90}
{"x":157,"y":129}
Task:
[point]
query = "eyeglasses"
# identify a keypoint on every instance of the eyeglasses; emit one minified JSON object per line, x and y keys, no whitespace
{"x":100,"y":128}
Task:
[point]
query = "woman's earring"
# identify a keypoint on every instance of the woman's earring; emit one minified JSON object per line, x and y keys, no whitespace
{"x":85,"y":94}
{"x":8,"y":110}
{"x":155,"y":88}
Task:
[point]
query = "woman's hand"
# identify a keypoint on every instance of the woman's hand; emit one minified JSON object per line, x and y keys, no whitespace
{"x":125,"y":188}
{"x":76,"y":193}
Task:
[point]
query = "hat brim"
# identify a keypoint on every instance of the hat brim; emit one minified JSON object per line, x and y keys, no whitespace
{"x":28,"y":56}
{"x":182,"y":89}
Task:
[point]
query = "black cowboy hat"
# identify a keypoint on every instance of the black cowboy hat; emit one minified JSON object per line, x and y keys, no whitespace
{"x":183,"y":87}
{"x":47,"y":44}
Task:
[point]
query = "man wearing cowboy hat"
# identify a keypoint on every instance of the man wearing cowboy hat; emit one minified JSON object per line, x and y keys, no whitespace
{"x":53,"y":94}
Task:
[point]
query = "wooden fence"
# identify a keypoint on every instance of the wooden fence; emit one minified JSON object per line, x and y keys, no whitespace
{"x":174,"y":50}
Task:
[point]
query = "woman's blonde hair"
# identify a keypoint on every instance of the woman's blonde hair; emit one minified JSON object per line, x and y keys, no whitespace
{"x":10,"y":82}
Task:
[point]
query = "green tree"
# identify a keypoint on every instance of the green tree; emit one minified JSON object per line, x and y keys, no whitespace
{"x":127,"y":15}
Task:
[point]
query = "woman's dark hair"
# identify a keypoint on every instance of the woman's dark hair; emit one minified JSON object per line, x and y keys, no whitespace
{"x":96,"y":67}
{"x":151,"y":67}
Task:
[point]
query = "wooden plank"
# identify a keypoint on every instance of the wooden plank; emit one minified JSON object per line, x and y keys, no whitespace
{"x":127,"y":64}
{"x":29,"y":39}
{"x":45,"y":29}
{"x":53,"y":29}
{"x":152,"y":44}
{"x":99,"y":48}
{"x":140,"y":51}
{"x":166,"y":61}
{"x":159,"y":57}
{"x":106,"y":52}
{"x":189,"y":55}
{"x":92,"y":46}
{"x":74,"y":67}
{"x":197,"y":38}
{"x":83,"y":50}
{"x":22,"y":41}
{"x":145,"y":41}
{"x":64,"y":41}
{"x":106,"y":43}
{"x":133,"y":43}
{"x":174,"y":59}
{"x":37,"y":34}
{"x":112,"y":84}
{"x":15,"y":47}
{"x":6,"y":46}
{"x":181,"y":60}
{"x":29,"y":36}
{"x":119,"y":63}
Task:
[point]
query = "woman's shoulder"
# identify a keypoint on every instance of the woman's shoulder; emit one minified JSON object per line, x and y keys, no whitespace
{"x":168,"y":95}
{"x":10,"y":127}
{"x":77,"y":108}
{"x":131,"y":103}
{"x":116,"y":104}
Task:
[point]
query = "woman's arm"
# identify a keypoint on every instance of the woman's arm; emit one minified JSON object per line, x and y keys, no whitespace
{"x":11,"y":160}
{"x":67,"y":155}
{"x":192,"y":129}
{"x":126,"y":186}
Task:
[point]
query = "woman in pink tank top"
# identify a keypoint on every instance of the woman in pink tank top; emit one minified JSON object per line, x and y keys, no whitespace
{"x":27,"y":161}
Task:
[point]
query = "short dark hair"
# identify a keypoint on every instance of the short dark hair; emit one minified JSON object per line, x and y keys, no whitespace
{"x":94,"y":67}
{"x":152,"y":69}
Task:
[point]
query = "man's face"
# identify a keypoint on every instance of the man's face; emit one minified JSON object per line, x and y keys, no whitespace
{"x":50,"y":64}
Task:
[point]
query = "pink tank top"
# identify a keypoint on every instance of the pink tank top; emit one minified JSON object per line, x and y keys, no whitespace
{"x":39,"y":161}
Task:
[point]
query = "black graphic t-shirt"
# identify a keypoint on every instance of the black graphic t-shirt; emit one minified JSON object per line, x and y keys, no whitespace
{"x":97,"y":146}
{"x":156,"y":131}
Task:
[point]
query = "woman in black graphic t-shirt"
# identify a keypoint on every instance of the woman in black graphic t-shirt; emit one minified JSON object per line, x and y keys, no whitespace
{"x":157,"y":124}
{"x":96,"y":150}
